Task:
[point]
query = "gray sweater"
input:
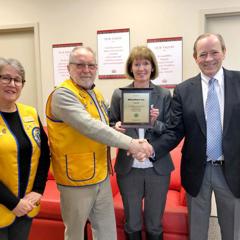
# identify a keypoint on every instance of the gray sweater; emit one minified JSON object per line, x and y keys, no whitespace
{"x":67,"y":108}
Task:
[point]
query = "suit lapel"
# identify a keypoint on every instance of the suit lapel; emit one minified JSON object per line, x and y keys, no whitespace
{"x":154,"y":95}
{"x":228,"y":96}
{"x":198,"y":98}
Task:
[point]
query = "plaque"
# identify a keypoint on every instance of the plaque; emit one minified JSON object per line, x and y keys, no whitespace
{"x":136,"y":107}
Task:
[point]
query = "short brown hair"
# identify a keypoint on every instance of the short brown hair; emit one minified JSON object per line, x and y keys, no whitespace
{"x":142,"y":52}
{"x":219,"y":37}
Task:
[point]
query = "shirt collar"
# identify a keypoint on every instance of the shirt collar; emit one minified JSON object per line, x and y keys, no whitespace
{"x":219,"y":76}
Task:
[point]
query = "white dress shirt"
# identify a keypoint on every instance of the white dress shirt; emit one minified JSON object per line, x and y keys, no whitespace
{"x":220,"y":93}
{"x":146,"y":163}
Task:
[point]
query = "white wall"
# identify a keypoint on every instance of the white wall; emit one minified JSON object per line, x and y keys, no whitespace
{"x":63,"y":21}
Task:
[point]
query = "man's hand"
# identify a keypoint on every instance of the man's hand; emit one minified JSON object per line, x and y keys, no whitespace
{"x":23,"y":207}
{"x":140,"y":149}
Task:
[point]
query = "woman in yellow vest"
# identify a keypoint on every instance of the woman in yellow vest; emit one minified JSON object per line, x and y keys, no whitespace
{"x":24,"y":155}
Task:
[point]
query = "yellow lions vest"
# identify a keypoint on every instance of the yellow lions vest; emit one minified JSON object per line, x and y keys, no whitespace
{"x":9,"y":158}
{"x":76,"y":159}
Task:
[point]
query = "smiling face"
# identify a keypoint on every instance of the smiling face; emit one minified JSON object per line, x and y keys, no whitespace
{"x":209,"y":55}
{"x":82,"y":68}
{"x":9,"y":92}
{"x":141,"y":69}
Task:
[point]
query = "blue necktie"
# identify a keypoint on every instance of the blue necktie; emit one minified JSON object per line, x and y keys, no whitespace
{"x":214,"y":127}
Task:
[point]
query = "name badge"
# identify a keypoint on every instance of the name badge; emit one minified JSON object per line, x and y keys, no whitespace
{"x":28,"y":119}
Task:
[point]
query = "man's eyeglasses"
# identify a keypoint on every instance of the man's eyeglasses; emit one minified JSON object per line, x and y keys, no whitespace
{"x":81,"y":66}
{"x":7,"y":79}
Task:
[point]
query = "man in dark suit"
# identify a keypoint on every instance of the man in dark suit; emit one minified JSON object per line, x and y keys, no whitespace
{"x":206,"y":112}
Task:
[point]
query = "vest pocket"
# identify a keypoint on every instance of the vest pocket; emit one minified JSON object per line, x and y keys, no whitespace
{"x":80,"y":167}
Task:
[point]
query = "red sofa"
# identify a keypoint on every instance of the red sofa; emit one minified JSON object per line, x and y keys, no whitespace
{"x":175,"y":219}
{"x":48,"y":224}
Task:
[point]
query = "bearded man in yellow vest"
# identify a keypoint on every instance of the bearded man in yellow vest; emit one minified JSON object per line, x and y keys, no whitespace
{"x":79,"y":137}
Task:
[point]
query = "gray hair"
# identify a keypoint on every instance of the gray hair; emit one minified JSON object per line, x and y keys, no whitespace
{"x":15,"y":64}
{"x":74,"y":50}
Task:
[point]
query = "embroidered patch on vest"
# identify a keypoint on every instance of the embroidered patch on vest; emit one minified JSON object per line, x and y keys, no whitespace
{"x":3,"y":131}
{"x":36,"y":135}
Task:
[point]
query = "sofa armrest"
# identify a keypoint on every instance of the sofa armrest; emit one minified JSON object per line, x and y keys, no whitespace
{"x":113,"y":178}
{"x":183,"y":197}
{"x":50,"y":175}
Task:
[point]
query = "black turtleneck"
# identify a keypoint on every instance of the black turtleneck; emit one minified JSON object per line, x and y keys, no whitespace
{"x":13,"y":121}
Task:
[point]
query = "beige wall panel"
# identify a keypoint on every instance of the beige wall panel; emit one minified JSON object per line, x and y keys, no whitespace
{"x":229,"y":27}
{"x":20,"y":45}
{"x":66,"y":21}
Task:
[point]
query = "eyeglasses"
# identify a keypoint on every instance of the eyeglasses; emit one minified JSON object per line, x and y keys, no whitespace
{"x":82,"y":66}
{"x":7,"y":79}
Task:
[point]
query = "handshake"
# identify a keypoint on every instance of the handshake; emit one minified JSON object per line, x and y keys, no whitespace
{"x":140,"y":149}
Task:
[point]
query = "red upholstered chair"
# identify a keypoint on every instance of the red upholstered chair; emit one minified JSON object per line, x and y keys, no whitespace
{"x":48,"y":224}
{"x":175,"y":218}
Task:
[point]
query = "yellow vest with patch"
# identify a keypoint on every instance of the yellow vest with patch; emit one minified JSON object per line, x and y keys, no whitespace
{"x":76,"y":159}
{"x":9,"y":158}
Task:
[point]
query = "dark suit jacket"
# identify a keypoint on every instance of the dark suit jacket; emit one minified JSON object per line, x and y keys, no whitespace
{"x":188,"y":120}
{"x":161,"y":99}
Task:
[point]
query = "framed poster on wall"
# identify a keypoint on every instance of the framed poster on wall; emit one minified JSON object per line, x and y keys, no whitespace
{"x":168,"y":52}
{"x":60,"y":60}
{"x":113,"y":49}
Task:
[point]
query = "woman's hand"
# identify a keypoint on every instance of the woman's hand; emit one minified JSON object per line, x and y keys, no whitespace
{"x":118,"y":127}
{"x":33,"y":197}
{"x":23,"y":207}
{"x":154,"y":113}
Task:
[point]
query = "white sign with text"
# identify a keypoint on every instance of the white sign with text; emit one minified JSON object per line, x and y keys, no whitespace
{"x":113,"y":50}
{"x":60,"y":61}
{"x":168,"y":52}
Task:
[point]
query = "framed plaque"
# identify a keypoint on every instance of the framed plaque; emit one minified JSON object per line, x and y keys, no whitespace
{"x":136,"y":107}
